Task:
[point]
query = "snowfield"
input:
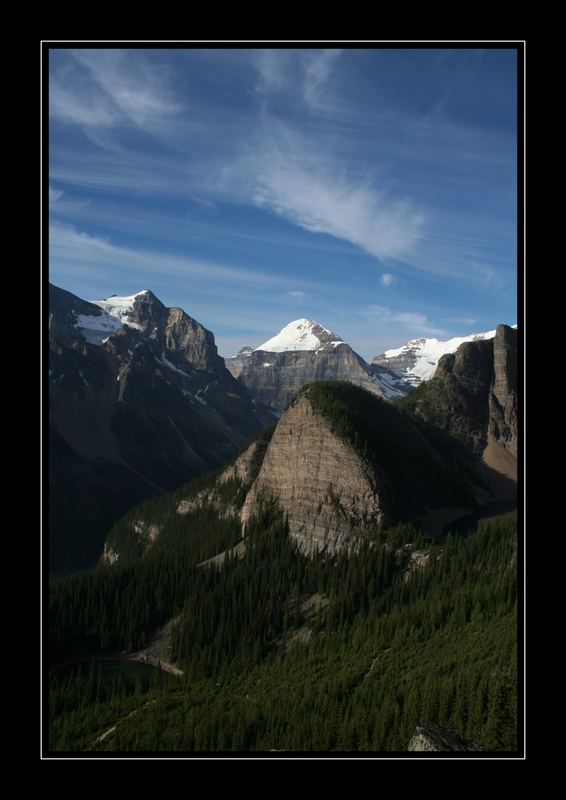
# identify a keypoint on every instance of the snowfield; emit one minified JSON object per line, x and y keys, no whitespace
{"x":116,"y":313}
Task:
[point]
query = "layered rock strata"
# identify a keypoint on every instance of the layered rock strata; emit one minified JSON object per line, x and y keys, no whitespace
{"x":329,"y":494}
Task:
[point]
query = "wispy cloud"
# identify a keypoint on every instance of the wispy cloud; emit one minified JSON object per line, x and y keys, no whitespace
{"x":204,"y":203}
{"x":300,"y":298}
{"x":70,"y":100}
{"x":98,"y":90}
{"x":460,"y":320}
{"x":316,"y":192}
{"x":410,"y":320}
{"x":138,"y":89}
{"x":74,"y":250}
{"x":300,"y":72}
{"x":273,"y":68}
{"x":387,"y":279}
{"x":55,"y":194}
{"x":318,"y":66}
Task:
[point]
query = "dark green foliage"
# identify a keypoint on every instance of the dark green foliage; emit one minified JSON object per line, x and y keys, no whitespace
{"x":88,"y":699}
{"x":173,"y":528}
{"x":115,"y":608}
{"x":384,"y":655}
{"x":415,"y":472}
{"x":454,"y":404}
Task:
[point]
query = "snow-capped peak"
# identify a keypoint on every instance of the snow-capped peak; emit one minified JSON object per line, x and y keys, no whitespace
{"x":416,"y":361}
{"x":116,"y":313}
{"x":119,"y":307}
{"x":301,"y":334}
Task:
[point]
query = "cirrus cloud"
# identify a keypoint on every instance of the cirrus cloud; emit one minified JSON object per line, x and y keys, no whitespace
{"x":318,"y":193}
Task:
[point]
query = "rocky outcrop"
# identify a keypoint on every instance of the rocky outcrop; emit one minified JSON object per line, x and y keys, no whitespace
{"x":143,"y":536}
{"x":245,"y":467}
{"x":473,"y":397}
{"x":236,"y":364}
{"x":207,"y":499}
{"x":503,"y":396}
{"x":431,"y":738}
{"x":342,"y":461}
{"x":139,"y":403}
{"x":411,"y":560}
{"x":274,"y":378}
{"x":417,"y":360}
{"x":328,"y":492}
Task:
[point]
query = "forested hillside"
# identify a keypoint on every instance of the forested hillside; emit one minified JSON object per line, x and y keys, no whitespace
{"x":284,"y":652}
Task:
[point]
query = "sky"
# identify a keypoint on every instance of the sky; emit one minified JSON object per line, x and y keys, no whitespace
{"x":372,"y":190}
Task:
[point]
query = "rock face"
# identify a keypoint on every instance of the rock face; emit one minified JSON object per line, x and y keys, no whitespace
{"x":304,"y":352}
{"x":503,"y":395}
{"x":341,"y":461}
{"x":434,"y":739}
{"x":416,"y":361}
{"x":473,"y":397}
{"x":329,"y":494}
{"x":139,"y":402}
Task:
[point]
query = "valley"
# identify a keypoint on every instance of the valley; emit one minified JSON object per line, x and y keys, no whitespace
{"x":359,"y":553}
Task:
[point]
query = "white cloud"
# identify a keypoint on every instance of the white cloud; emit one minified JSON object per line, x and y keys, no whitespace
{"x":55,"y":194}
{"x":317,"y":71}
{"x":273,"y":67}
{"x":315,"y":192}
{"x":87,"y":108}
{"x":77,"y":251}
{"x":98,"y":90}
{"x":460,"y":320}
{"x":410,"y":320}
{"x":296,"y":294}
{"x":139,"y":89}
{"x":204,"y":203}
{"x":300,"y":72}
{"x":387,"y":279}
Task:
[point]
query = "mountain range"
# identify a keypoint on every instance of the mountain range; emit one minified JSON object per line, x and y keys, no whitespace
{"x":341,"y":460}
{"x":416,"y":360}
{"x":304,"y":351}
{"x":139,"y":402}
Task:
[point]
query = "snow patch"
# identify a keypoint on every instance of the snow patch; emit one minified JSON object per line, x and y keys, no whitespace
{"x":388,"y":387}
{"x":428,"y":352}
{"x":117,"y":310}
{"x":171,"y":366}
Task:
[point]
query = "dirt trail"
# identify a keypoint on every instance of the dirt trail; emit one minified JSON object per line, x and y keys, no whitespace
{"x":111,"y":730}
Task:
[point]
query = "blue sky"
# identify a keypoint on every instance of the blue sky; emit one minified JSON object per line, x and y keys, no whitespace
{"x":373,"y":190}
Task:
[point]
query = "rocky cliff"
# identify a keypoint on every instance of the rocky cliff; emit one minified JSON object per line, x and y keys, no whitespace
{"x":434,"y":739}
{"x":342,"y":461}
{"x":330,"y":494}
{"x":416,"y":361}
{"x":139,"y":402}
{"x":473,"y":397}
{"x":304,"y":352}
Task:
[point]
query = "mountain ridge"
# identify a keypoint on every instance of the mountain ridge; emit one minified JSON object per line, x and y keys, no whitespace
{"x":142,"y":407}
{"x":302,"y":352}
{"x":417,"y":359}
